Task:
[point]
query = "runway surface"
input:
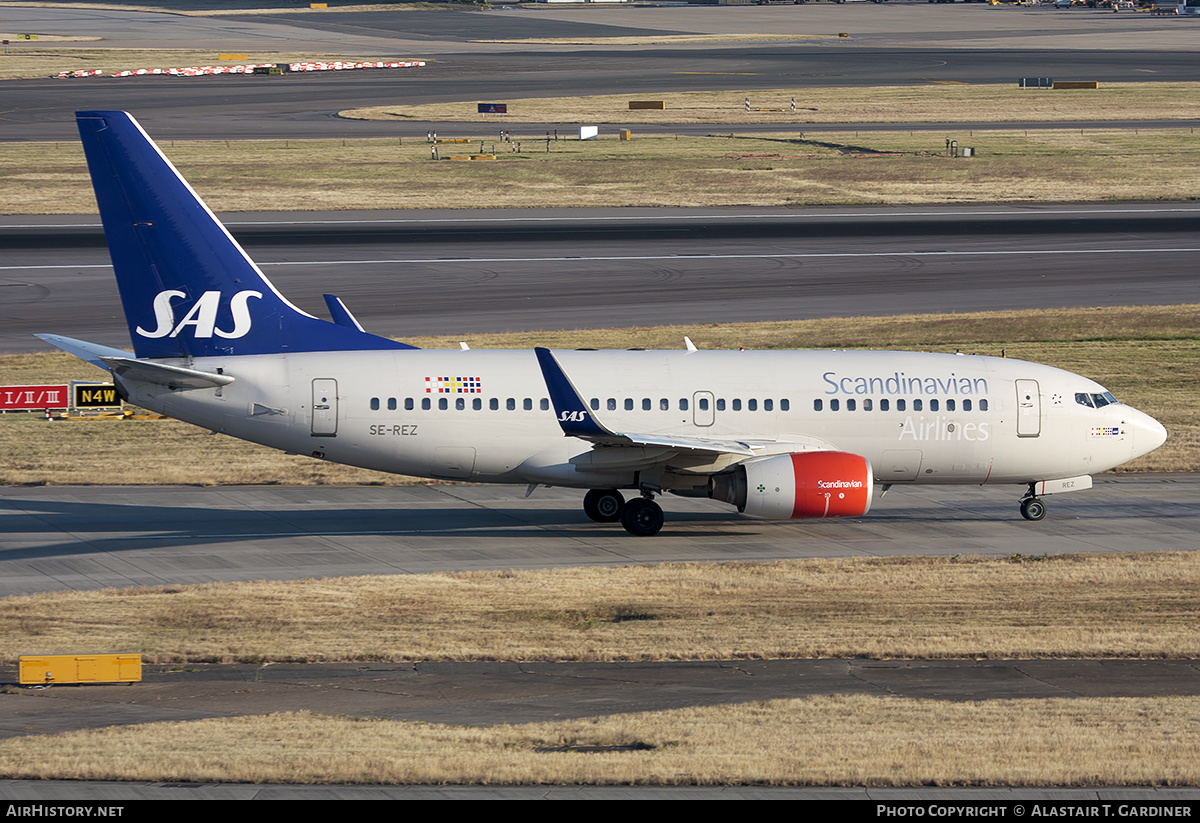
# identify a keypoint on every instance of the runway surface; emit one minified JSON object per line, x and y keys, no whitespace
{"x":55,"y":538}
{"x":457,"y":273}
{"x":893,"y":43}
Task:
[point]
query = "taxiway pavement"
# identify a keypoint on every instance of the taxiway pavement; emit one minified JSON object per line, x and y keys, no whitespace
{"x":55,"y":538}
{"x":438,"y":272}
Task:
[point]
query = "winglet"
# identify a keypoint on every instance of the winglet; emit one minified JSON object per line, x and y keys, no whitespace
{"x":572,"y":413}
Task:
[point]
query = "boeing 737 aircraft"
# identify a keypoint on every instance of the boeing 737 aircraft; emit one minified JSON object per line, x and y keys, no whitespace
{"x":779,"y":435}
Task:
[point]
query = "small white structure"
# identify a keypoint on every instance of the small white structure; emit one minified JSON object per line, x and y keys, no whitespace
{"x":588,"y":132}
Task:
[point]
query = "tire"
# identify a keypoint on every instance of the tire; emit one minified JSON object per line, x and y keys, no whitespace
{"x":642,"y":518}
{"x":603,"y":505}
{"x":1033,"y":509}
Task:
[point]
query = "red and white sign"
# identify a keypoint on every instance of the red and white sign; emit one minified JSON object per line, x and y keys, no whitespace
{"x":33,"y":398}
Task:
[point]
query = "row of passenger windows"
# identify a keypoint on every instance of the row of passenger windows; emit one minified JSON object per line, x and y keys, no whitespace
{"x":918,"y":404}
{"x":460,"y":403}
{"x":702,"y":404}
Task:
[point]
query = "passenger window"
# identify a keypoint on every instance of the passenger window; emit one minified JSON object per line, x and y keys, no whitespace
{"x":901,"y":404}
{"x":737,"y":404}
{"x":494,"y":404}
{"x":884,"y":404}
{"x":867,"y":404}
{"x":983,"y":405}
{"x":949,"y":405}
{"x":374,"y":404}
{"x":511,"y":404}
{"x":703,"y":404}
{"x":527,"y":404}
{"x":664,"y":404}
{"x":612,"y":404}
{"x":785,"y":405}
{"x":628,"y":404}
{"x":442,"y":405}
{"x":721,"y":404}
{"x":408,"y":404}
{"x":768,"y":405}
{"x":751,"y":405}
{"x":683,"y":404}
{"x":545,"y":404}
{"x":477,"y":403}
{"x":918,"y":404}
{"x":646,"y":404}
{"x":933,"y":404}
{"x":817,"y":404}
{"x":425,"y":404}
{"x":460,"y":403}
{"x":834,"y":405}
{"x":851,"y":404}
{"x":966,"y":405}
{"x":595,"y":404}
{"x":391,"y":404}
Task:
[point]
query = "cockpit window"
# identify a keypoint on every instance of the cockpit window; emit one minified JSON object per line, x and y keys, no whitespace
{"x":1095,"y":401}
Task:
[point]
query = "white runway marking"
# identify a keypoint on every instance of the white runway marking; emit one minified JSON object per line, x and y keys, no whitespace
{"x":652,"y":257}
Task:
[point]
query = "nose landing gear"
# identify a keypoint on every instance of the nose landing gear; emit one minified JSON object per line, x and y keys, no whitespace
{"x":1032,"y":507}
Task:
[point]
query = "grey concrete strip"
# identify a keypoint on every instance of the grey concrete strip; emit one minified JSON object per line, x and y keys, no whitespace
{"x":412,"y":273}
{"x":54,"y":538}
{"x":495,"y":693}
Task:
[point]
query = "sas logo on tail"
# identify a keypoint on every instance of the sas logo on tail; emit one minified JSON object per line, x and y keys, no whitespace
{"x":572,"y":417}
{"x":202,"y":316}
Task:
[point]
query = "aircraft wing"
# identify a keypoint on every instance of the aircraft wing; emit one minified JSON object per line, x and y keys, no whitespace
{"x":577,"y":420}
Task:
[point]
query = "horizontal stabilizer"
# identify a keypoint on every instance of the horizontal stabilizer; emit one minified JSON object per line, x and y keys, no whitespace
{"x":91,"y":352}
{"x":173,"y":377}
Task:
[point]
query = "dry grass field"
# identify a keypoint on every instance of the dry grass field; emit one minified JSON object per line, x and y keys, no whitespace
{"x":1148,"y":356}
{"x":717,"y":170}
{"x":822,"y":741}
{"x":1078,"y":606}
{"x":879,"y":104}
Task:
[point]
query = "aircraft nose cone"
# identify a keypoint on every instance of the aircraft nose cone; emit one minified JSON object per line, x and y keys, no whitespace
{"x":1149,"y":434}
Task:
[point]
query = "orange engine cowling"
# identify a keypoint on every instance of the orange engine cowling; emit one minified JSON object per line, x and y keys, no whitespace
{"x":799,"y":485}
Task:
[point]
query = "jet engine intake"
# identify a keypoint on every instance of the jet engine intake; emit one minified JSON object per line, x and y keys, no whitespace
{"x":798,"y":485}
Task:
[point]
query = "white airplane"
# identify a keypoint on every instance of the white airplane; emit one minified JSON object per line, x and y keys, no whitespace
{"x":780,"y":435}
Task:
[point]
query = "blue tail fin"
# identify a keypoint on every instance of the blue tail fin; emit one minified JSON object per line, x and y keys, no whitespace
{"x":188,"y":288}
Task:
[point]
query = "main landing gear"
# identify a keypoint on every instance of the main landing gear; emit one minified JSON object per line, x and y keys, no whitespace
{"x":603,"y":505}
{"x":1032,"y":507}
{"x":641,"y":516}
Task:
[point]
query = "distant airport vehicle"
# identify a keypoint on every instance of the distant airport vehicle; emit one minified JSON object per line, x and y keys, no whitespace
{"x":780,"y":434}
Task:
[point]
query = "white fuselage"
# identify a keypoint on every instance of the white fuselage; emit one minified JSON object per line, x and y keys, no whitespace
{"x":486,"y":416}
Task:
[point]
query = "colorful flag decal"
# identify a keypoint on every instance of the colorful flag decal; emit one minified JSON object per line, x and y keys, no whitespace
{"x":453,"y":385}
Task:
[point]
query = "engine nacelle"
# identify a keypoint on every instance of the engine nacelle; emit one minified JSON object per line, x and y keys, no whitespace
{"x":799,"y":485}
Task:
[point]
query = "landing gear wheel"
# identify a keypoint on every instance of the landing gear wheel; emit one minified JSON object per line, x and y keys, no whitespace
{"x":1033,"y":509}
{"x":642,"y":517}
{"x":603,"y":505}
